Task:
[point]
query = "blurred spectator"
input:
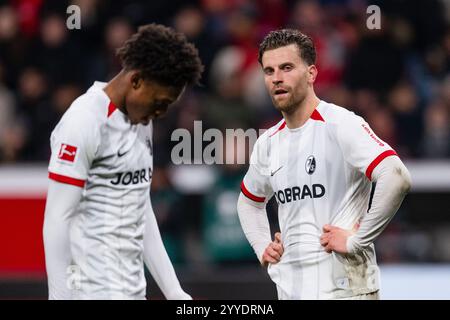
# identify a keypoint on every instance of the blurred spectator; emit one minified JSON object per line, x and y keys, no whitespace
{"x":364,"y":101}
{"x":103,"y":64}
{"x":8,"y":23}
{"x":426,"y":19}
{"x":382,"y":122}
{"x":11,"y":139}
{"x":445,"y":91}
{"x":54,"y":53}
{"x":436,"y":139}
{"x":405,"y":105}
{"x":28,"y":11}
{"x":226,"y":105}
{"x":193,"y":22}
{"x":223,"y":238}
{"x":33,"y":88}
{"x":340,"y":96}
{"x":172,"y":220}
{"x":13,"y":48}
{"x":375,"y":64}
{"x":309,"y":17}
{"x":7,"y":101}
{"x":44,"y":120}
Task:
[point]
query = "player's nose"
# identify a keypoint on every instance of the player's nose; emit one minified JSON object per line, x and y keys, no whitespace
{"x":277,"y":77}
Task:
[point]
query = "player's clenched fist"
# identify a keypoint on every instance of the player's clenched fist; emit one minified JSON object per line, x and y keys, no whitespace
{"x":273,"y":252}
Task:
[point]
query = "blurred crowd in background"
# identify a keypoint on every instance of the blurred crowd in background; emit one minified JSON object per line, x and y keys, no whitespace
{"x":396,"y":77}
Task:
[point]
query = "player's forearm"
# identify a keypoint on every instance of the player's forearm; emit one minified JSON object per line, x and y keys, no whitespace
{"x":393,"y":182}
{"x":254,"y":222}
{"x":57,"y":258}
{"x":62,"y":201}
{"x":158,"y":261}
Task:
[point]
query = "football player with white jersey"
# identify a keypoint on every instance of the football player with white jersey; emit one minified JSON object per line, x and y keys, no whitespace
{"x":319,"y":162}
{"x":99,"y":224}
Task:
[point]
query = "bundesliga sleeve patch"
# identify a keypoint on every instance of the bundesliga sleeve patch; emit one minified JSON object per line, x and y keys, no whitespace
{"x":67,"y":152}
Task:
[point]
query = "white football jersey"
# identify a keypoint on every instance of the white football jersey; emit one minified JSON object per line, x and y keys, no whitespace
{"x":95,"y":147}
{"x":320,"y":174}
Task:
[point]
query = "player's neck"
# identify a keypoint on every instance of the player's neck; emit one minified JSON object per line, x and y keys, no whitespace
{"x":115,"y":90}
{"x":299,"y":117}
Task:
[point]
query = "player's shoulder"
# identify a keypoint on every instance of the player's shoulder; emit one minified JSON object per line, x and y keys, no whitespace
{"x":337,"y":115}
{"x":89,"y":109}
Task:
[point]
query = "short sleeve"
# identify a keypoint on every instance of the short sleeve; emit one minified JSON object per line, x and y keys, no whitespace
{"x":361,"y":147}
{"x":73,"y":143}
{"x":256,"y":185}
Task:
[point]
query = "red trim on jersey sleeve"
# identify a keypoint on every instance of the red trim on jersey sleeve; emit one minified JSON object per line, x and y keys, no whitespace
{"x":66,"y":180}
{"x":281,"y":127}
{"x":249,"y":195}
{"x":377,"y":160}
{"x":111,"y":108}
{"x":317,"y":116}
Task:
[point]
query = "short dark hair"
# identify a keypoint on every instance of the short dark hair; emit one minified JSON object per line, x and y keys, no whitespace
{"x":285,"y":37}
{"x":163,"y":55}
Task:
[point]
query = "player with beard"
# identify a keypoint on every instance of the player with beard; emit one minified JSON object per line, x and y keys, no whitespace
{"x":320,"y":163}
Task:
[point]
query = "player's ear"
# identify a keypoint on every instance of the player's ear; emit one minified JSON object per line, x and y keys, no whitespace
{"x":136,"y":80}
{"x":312,"y":71}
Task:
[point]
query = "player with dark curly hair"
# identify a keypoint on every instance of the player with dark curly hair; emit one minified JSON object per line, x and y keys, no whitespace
{"x":157,"y":64}
{"x":99,"y":224}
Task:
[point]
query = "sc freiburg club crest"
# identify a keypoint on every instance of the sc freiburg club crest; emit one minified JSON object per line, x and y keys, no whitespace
{"x":310,"y":165}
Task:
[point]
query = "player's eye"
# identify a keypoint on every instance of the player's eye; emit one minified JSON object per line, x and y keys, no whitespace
{"x":268,"y":71}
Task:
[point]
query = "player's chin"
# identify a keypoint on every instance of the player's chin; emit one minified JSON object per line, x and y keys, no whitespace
{"x":146,"y":120}
{"x":281,"y":106}
{"x":158,"y":116}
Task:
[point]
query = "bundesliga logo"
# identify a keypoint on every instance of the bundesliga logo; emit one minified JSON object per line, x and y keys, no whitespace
{"x":67,"y":152}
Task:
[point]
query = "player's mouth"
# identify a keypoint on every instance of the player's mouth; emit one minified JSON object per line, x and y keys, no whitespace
{"x":280,"y":93}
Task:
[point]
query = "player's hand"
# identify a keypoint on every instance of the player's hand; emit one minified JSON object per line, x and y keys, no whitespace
{"x":335,"y":239}
{"x":273,"y":252}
